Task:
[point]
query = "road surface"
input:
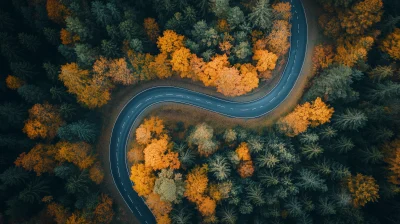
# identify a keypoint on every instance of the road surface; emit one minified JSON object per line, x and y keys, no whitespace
{"x":162,"y":94}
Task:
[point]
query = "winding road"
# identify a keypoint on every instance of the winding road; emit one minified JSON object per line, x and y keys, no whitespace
{"x":161,"y":94}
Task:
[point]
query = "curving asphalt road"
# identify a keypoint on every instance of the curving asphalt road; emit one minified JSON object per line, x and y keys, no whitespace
{"x":251,"y":109}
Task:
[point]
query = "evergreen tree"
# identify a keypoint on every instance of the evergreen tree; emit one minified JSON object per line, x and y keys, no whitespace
{"x":32,"y":94}
{"x":23,"y":70}
{"x":52,"y":36}
{"x":110,"y":49}
{"x":13,"y":176}
{"x":351,"y":119}
{"x":12,"y":115}
{"x":326,"y":206}
{"x":294,"y":208}
{"x":219,"y":167}
{"x":51,"y":71}
{"x":255,"y":194}
{"x":228,"y":215}
{"x":235,"y":17}
{"x":308,"y":180}
{"x":384,"y":91}
{"x":78,"y":131}
{"x":78,"y":183}
{"x":311,"y":150}
{"x":343,"y":144}
{"x":31,"y":42}
{"x":261,"y":15}
{"x":34,"y":191}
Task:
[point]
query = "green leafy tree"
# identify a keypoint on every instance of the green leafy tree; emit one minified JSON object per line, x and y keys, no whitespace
{"x":220,"y":8}
{"x":86,"y":54}
{"x":242,"y":50}
{"x":169,"y":186}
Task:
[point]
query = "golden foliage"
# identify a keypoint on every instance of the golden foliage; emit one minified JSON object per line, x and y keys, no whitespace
{"x":196,"y":183}
{"x":391,"y":44}
{"x":212,"y":69}
{"x":314,"y":114}
{"x":141,"y":65}
{"x":151,"y":128}
{"x":161,"y":66}
{"x":180,"y":60}
{"x":223,"y":26}
{"x":116,"y":69}
{"x":39,"y":159}
{"x":67,"y":38}
{"x":103,"y":213}
{"x":363,"y":189}
{"x":265,"y":60}
{"x":349,"y":52}
{"x":246,"y":169}
{"x":278,"y":39}
{"x":56,"y":11}
{"x":283,"y":10}
{"x":143,"y":179}
{"x":160,"y":208}
{"x":330,"y":24}
{"x":44,"y":121}
{"x":322,"y":57}
{"x":96,"y":173}
{"x":361,"y":16}
{"x":207,"y":206}
{"x":151,"y":28}
{"x":14,"y":82}
{"x":170,"y":41}
{"x":158,"y":155}
{"x":77,"y":153}
{"x":392,"y":158}
{"x":58,"y":211}
{"x":135,"y":154}
{"x":243,"y":152}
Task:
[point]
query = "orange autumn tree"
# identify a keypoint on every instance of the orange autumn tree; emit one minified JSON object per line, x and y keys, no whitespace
{"x":278,"y":39}
{"x":363,"y":189}
{"x":74,"y":78}
{"x":44,"y":121}
{"x":361,"y":16}
{"x":322,"y":57}
{"x":160,"y":208}
{"x":58,"y":212}
{"x":161,"y":66}
{"x":103,"y":213}
{"x":151,"y":128}
{"x":180,"y":60}
{"x":158,"y":155}
{"x":67,"y":38}
{"x":170,"y":41}
{"x":77,"y":153}
{"x":56,"y":11}
{"x":196,"y":189}
{"x":96,"y":93}
{"x":143,"y":179}
{"x":135,"y":154}
{"x":212,"y":70}
{"x":266,"y":62}
{"x":197,"y":66}
{"x":234,"y":83}
{"x":391,"y":44}
{"x":152,"y":30}
{"x":116,"y":69}
{"x":246,"y":168}
{"x":392,"y":158}
{"x":282,"y":9}
{"x":348,"y":52}
{"x":14,"y":82}
{"x":96,"y":173}
{"x":141,"y":65}
{"x":314,"y":114}
{"x":39,"y":159}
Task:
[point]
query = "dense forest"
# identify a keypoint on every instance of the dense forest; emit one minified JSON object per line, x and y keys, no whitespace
{"x":334,"y":159}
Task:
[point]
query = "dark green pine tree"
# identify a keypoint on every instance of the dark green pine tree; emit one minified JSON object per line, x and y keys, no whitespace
{"x":52,"y":36}
{"x":350,"y":119}
{"x":23,"y":70}
{"x":12,"y":115}
{"x":110,"y":49}
{"x":78,"y":183}
{"x":78,"y":131}
{"x":308,"y":180}
{"x":261,"y":15}
{"x":32,"y":94}
{"x":31,"y":42}
{"x":13,"y":176}
{"x":68,"y":111}
{"x":58,"y":93}
{"x":383,"y":91}
{"x":65,"y":171}
{"x":34,"y":191}
{"x":52,"y":71}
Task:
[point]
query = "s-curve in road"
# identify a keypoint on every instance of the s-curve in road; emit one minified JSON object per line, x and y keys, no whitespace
{"x":162,"y":94}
